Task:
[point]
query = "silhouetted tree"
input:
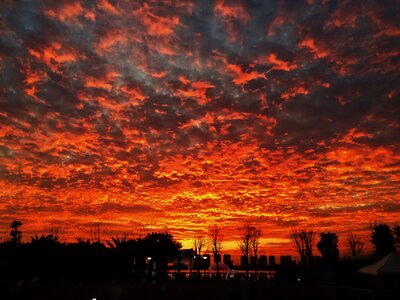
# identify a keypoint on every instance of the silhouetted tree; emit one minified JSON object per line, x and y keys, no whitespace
{"x":15,"y":233}
{"x":117,"y":243}
{"x":249,"y":243}
{"x":139,"y":257}
{"x":304,"y":243}
{"x":396,"y":233}
{"x":127,"y":253}
{"x":87,"y":259}
{"x":255,"y":244}
{"x":382,"y":239}
{"x":45,"y":244}
{"x":356,"y":246}
{"x":161,"y":246}
{"x":198,"y":243}
{"x":45,"y":251}
{"x":244,"y":244}
{"x":215,"y":240}
{"x":328,"y":247}
{"x":49,"y":239}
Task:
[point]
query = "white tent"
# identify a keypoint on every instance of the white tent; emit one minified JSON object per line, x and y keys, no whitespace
{"x":389,"y":265}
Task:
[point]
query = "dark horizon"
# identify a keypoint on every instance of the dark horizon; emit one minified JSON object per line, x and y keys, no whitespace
{"x":176,"y":115}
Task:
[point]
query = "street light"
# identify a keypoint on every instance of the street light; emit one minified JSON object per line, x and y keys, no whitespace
{"x":205,"y":266}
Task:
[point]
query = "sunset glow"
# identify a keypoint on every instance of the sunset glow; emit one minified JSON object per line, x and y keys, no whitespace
{"x":175,"y":115}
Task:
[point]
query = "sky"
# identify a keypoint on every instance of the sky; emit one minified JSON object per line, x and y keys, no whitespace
{"x":176,"y":115}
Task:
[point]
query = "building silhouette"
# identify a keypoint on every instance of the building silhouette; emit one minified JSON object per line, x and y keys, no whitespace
{"x":243,"y":261}
{"x":271,"y":260}
{"x":262,"y":262}
{"x":228,"y":260}
{"x":206,"y":258}
{"x":253,"y":261}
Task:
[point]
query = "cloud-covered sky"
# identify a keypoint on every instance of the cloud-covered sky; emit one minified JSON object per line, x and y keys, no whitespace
{"x":176,"y":115}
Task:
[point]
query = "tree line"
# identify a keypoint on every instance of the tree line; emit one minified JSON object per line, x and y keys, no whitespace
{"x":146,"y":258}
{"x":384,"y":239}
{"x":119,"y":258}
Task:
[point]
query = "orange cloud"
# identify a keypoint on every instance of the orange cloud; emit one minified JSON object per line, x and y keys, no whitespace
{"x":197,"y":91}
{"x":175,"y":115}
{"x":279,"y":64}
{"x":299,"y":90}
{"x":108,"y":7}
{"x":315,"y":49}
{"x":68,"y":12}
{"x":241,"y":77}
{"x":231,"y":13}
{"x":154,"y":24}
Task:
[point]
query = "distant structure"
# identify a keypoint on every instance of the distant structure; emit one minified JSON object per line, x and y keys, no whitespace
{"x":206,"y":261}
{"x":228,"y":260}
{"x":253,"y":262}
{"x":95,"y":233}
{"x":262,"y":262}
{"x":243,"y":261}
{"x":184,"y":260}
{"x":286,"y":260}
{"x":271,"y":259}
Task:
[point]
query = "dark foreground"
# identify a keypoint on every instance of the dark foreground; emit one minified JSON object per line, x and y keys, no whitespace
{"x":200,"y":291}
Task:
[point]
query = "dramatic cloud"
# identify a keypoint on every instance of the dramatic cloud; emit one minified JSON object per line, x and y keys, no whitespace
{"x":177,"y":114}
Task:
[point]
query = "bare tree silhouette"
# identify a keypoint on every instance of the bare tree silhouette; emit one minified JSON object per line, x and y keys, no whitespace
{"x":249,"y":243}
{"x":255,"y":244}
{"x":215,"y":240}
{"x":356,"y":246}
{"x":304,"y":244}
{"x":198,"y":243}
{"x":244,"y":244}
